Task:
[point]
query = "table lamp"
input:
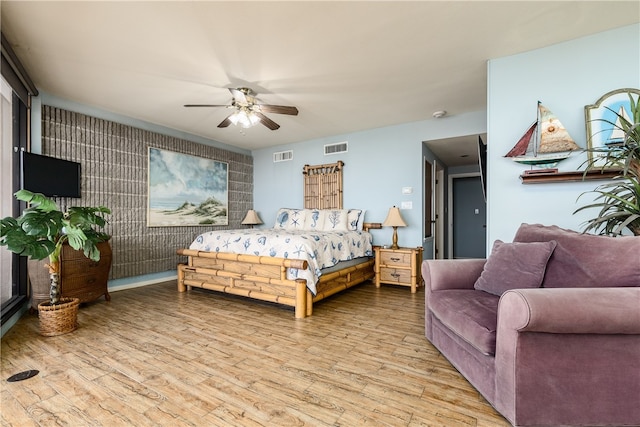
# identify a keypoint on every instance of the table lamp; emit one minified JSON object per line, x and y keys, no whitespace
{"x":394,"y":219}
{"x":251,"y":218}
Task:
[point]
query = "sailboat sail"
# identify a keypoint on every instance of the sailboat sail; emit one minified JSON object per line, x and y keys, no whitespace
{"x":554,"y":138}
{"x":520,"y":149}
{"x":617,"y":133}
{"x":545,"y":143}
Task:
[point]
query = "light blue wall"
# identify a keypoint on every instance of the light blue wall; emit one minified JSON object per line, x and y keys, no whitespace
{"x":378,"y":164}
{"x":564,"y":77}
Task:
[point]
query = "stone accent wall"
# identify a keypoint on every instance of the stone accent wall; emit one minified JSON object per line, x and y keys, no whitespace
{"x":114,"y":174}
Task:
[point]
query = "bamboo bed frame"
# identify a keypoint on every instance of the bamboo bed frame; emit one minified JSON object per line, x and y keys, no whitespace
{"x":265,"y":278}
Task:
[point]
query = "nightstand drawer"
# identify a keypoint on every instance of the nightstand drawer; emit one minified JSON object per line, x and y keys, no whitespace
{"x":86,"y":287}
{"x":395,"y":275}
{"x":68,"y":253}
{"x":395,"y":258}
{"x":84,"y":266}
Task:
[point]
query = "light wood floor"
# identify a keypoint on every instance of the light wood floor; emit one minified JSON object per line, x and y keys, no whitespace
{"x":155,"y":357}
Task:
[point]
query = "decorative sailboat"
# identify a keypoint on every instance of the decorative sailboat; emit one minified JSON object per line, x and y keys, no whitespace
{"x":545,"y":143}
{"x":617,"y":132}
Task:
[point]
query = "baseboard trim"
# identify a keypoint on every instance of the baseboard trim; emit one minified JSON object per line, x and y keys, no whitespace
{"x":131,"y":283}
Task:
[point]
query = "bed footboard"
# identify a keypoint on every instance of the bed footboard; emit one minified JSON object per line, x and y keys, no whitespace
{"x":264,"y":278}
{"x":257,"y":277}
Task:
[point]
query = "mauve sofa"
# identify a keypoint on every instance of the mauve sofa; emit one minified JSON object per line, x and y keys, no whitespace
{"x":547,"y":329}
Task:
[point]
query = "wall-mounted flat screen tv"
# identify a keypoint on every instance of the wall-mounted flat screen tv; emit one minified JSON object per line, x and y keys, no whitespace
{"x":50,"y":176}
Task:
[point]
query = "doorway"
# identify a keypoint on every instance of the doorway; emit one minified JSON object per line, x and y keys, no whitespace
{"x":457,"y":156}
{"x":467,"y":217}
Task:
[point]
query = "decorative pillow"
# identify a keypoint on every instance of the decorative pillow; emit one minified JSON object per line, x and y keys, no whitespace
{"x":290,"y":219}
{"x":355,"y":219}
{"x":515,"y":266}
{"x":335,"y":220}
{"x":314,"y":219}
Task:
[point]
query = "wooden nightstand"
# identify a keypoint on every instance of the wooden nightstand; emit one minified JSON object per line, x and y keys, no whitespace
{"x":80,"y":277}
{"x":83,"y":278}
{"x":398,"y":266}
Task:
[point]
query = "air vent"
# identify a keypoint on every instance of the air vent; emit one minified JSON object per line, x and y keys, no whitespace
{"x":340,"y":147}
{"x":283,"y":156}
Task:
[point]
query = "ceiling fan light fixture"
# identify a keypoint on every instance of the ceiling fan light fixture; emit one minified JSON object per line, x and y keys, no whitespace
{"x":253,"y":119}
{"x":244,"y":118}
{"x":234,"y":118}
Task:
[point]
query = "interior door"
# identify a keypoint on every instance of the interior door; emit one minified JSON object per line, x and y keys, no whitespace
{"x":429,"y":240}
{"x":433,"y":210}
{"x":439,"y":206}
{"x":469,"y":218}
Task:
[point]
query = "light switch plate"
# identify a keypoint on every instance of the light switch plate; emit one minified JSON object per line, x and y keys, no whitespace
{"x":407,"y":190}
{"x":406,"y":205}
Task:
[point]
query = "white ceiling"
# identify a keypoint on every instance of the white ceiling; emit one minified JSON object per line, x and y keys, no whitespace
{"x":346,"y":66}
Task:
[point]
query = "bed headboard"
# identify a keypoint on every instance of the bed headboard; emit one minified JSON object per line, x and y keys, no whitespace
{"x":323,"y":186}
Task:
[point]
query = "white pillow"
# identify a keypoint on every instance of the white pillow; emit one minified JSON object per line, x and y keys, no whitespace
{"x":290,"y":219}
{"x":361,"y":220}
{"x":314,"y":219}
{"x":335,"y":220}
{"x":355,"y":219}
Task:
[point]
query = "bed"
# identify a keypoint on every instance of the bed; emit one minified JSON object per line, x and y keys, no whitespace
{"x":254,"y":263}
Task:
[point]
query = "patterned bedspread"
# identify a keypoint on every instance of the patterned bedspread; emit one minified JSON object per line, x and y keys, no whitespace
{"x":321,"y":249}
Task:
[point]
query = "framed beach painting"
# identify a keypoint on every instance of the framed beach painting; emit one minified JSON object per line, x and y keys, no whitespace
{"x":186,"y":190}
{"x":602,"y":120}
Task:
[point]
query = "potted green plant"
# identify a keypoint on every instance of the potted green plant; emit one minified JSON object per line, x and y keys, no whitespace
{"x":41,"y":230}
{"x":618,"y":201}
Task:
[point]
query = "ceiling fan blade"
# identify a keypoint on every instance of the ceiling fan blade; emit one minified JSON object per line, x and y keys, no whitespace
{"x":279,"y":109}
{"x":267,"y":121}
{"x":204,"y":105}
{"x":238,"y":95}
{"x":225,"y":123}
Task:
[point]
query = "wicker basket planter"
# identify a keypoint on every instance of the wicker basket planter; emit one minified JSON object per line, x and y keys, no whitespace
{"x":60,"y":318}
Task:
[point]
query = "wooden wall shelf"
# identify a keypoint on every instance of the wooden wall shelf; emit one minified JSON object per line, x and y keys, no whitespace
{"x":573,"y":176}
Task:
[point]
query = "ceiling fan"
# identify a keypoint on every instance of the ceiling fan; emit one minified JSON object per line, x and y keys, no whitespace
{"x":247,"y":111}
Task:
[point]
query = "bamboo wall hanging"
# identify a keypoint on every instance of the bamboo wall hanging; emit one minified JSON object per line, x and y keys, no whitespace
{"x":323,"y":186}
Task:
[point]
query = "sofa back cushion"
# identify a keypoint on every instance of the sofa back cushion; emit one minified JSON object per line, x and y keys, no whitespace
{"x":515,"y":265}
{"x":586,"y":260}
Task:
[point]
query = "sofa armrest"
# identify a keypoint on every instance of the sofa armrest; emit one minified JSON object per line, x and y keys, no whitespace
{"x":563,"y":349}
{"x":451,"y":273}
{"x":572,"y":310}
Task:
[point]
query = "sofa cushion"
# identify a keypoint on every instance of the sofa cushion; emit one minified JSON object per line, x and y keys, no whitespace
{"x":514,"y":266}
{"x":470,"y":314}
{"x":585,"y":260}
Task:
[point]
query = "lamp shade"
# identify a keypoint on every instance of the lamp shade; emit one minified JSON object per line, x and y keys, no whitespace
{"x":394,"y":219}
{"x":251,"y":218}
